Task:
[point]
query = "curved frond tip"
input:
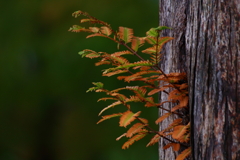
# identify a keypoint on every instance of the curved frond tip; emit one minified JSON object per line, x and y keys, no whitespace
{"x":106,"y":30}
{"x":125,"y":34}
{"x":179,"y":131}
{"x":154,"y":140}
{"x":110,"y":106}
{"x":135,"y":129}
{"x":184,"y":154}
{"x":109,"y":116}
{"x":160,"y":119}
{"x":135,"y":138}
{"x":127,"y":118}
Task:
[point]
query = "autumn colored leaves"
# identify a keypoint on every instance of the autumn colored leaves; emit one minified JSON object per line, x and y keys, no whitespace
{"x":143,"y":70}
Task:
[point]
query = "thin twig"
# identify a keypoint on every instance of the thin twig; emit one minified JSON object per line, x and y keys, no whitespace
{"x":154,"y":131}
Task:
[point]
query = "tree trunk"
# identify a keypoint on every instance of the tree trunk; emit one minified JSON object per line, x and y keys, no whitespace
{"x":207,"y":47}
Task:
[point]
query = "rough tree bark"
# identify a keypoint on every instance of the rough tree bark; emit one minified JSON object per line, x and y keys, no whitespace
{"x":207,"y":47}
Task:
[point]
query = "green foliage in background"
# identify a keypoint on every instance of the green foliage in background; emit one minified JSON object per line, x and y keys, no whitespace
{"x":43,"y":80}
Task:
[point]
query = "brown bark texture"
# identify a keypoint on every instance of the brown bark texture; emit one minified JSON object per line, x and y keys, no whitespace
{"x":207,"y":47}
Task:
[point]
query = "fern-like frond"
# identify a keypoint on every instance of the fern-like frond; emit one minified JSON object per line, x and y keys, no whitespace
{"x":87,"y":20}
{"x":78,"y":13}
{"x":183,"y":86}
{"x":120,"y":53}
{"x":135,"y":138}
{"x":127,"y":118}
{"x":175,"y":146}
{"x":132,"y":78}
{"x":91,"y":19}
{"x":101,"y":90}
{"x":139,"y":74}
{"x":172,"y":125}
{"x":149,"y":99}
{"x":94,"y":29}
{"x":110,"y":106}
{"x":179,"y":131}
{"x":145,"y":68}
{"x":141,"y":63}
{"x":120,"y":96}
{"x":177,"y":74}
{"x":125,"y":34}
{"x":77,"y":28}
{"x":129,"y":65}
{"x":184,"y":101}
{"x":157,"y":90}
{"x":155,"y":54}
{"x":183,"y":104}
{"x":175,"y":94}
{"x":97,"y":21}
{"x":98,"y":85}
{"x":119,"y":60}
{"x":184,"y":154}
{"x":133,"y":99}
{"x":139,"y":91}
{"x":151,"y":40}
{"x":149,"y":104}
{"x":85,"y":52}
{"x":173,"y":77}
{"x":163,"y":40}
{"x":185,"y":138}
{"x":121,"y":77}
{"x":123,"y":135}
{"x":154,"y":140}
{"x":150,"y":50}
{"x":143,"y":120}
{"x":153,"y":78}
{"x":97,"y":34}
{"x":160,"y":119}
{"x":154,"y":32}
{"x":93,"y":55}
{"x":118,"y":89}
{"x":102,"y":62}
{"x":159,"y":104}
{"x":137,"y":67}
{"x":137,"y":42}
{"x":115,"y":72}
{"x":109,"y":116}
{"x":135,"y":129}
{"x":175,"y":122}
{"x":182,"y":97}
{"x":106,"y":98}
{"x":106,"y":30}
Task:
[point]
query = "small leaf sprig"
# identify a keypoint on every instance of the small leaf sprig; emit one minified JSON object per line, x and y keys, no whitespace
{"x":146,"y":71}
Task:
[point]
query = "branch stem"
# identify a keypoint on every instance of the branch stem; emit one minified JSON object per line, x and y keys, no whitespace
{"x":154,"y":131}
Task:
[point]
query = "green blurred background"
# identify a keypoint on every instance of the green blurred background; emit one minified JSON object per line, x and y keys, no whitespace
{"x":45,"y":112}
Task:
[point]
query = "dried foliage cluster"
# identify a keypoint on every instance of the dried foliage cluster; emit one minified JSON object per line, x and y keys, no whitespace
{"x":144,"y":70}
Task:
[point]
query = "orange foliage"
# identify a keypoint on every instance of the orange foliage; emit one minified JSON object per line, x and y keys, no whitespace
{"x":160,"y":119}
{"x":154,"y":140}
{"x":146,"y":71}
{"x":135,"y":129}
{"x":184,"y":154}
{"x":175,"y":146}
{"x":137,"y":137}
{"x":128,"y":117}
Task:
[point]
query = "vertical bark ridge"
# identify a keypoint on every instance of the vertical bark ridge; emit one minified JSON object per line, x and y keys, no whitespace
{"x":172,"y":14}
{"x":211,"y":32}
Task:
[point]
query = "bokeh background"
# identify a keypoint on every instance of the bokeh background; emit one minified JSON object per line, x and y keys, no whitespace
{"x":45,"y":112}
